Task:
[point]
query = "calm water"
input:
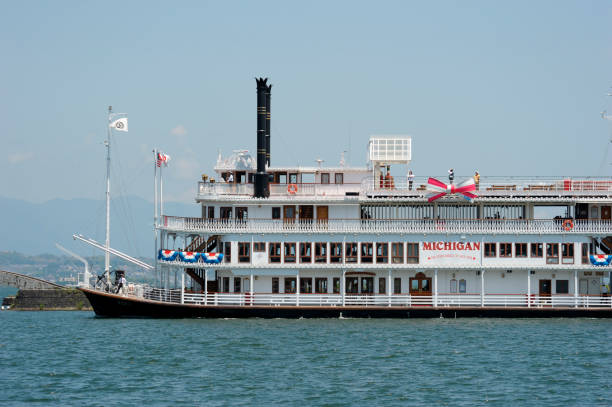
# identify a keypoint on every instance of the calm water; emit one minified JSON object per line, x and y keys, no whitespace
{"x":76,"y":359}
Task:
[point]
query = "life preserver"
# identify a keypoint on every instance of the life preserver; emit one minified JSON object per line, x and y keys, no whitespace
{"x":568,"y":224}
{"x":292,"y":189}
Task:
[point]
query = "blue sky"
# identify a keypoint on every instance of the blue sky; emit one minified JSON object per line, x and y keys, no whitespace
{"x":512,"y":88}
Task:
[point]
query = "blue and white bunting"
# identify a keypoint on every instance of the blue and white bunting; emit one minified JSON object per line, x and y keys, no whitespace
{"x":212,"y":258}
{"x":601,"y":259}
{"x":167,"y":255}
{"x":189,"y":257}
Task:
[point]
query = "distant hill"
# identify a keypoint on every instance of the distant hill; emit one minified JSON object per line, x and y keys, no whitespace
{"x":33,"y":228}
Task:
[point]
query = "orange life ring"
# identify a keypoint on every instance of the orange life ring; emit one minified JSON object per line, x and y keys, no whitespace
{"x":568,"y":224}
{"x":292,"y":189}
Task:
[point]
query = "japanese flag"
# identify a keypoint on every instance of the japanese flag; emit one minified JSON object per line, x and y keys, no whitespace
{"x":120,"y":124}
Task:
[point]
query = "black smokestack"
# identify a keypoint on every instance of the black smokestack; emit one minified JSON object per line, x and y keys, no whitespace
{"x":268,"y":116}
{"x":261,"y":178}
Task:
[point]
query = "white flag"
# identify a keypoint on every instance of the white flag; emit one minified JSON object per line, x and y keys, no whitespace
{"x":120,"y":124}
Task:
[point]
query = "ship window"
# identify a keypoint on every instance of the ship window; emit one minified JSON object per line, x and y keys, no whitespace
{"x":335,"y":250}
{"x":397,"y":253}
{"x":276,"y":212}
{"x":453,"y":286}
{"x":306,"y":285}
{"x":567,"y":253}
{"x":259,"y":247}
{"x":462,"y":286}
{"x":536,"y":250}
{"x":367,"y":285}
{"x":321,"y":285}
{"x":562,"y":286}
{"x":397,"y":285}
{"x":227,"y":253}
{"x":382,"y":252}
{"x":505,"y":250}
{"x":293,"y":178}
{"x":339,"y":177}
{"x":585,"y":253}
{"x":336,"y":285}
{"x":308,"y":178}
{"x":320,"y":252}
{"x":211,"y":212}
{"x":244,"y":252}
{"x":352,"y":285}
{"x":281,"y":177}
{"x":306,"y":213}
{"x":306,"y":252}
{"x":203,"y":211}
{"x":350,"y":252}
{"x":325,"y":178}
{"x":382,"y":285}
{"x":490,"y":250}
{"x":520,"y":249}
{"x":225,"y":212}
{"x":366,"y":252}
{"x":274,"y":251}
{"x":225,"y":286}
{"x":290,"y":287}
{"x":237,"y":282}
{"x":552,"y":253}
{"x":275,"y":285}
{"x":290,"y":253}
{"x":412,"y":253}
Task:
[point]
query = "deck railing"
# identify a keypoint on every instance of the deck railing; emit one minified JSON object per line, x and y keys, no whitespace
{"x":485,"y":226}
{"x":216,"y":189}
{"x":377,"y":300}
{"x":495,"y":186}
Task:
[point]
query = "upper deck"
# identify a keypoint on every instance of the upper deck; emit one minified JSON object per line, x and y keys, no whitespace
{"x":489,"y":189}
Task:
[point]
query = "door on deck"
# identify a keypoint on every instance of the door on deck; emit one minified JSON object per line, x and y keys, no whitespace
{"x":420,"y":285}
{"x":322,"y":214}
{"x":545,"y":288}
{"x":289,"y":213}
{"x":583,"y":286}
{"x":605,"y":212}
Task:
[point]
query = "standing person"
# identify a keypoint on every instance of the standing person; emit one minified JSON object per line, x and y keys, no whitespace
{"x":410,"y":179}
{"x":230,"y":179}
{"x":477,"y":180}
{"x":122,"y":283}
{"x":451,"y":175}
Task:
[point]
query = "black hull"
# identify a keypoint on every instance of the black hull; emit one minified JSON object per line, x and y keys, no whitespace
{"x":111,"y":305}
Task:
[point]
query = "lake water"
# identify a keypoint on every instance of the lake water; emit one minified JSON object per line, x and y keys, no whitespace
{"x":75,"y":358}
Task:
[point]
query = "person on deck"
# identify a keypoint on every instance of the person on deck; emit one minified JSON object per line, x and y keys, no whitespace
{"x":122,"y":283}
{"x":410,"y":179}
{"x":477,"y":180}
{"x":451,"y":175}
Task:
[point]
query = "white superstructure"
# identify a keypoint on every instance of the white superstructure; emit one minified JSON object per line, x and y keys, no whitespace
{"x":358,"y":236}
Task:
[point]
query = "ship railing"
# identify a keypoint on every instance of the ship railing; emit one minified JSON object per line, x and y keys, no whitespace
{"x":216,"y":189}
{"x":395,"y":300}
{"x":493,"y":185}
{"x":163,"y":294}
{"x":485,"y":226}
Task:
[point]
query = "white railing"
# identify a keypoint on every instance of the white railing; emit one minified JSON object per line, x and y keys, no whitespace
{"x":496,"y":186}
{"x":401,"y":300}
{"x":215,"y":189}
{"x":162,"y":294}
{"x":484,"y":226}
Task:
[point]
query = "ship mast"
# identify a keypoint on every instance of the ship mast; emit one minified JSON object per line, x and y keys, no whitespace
{"x":107,"y":242}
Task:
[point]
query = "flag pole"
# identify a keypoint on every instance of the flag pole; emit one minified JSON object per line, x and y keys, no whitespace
{"x":107,"y":243}
{"x":155,"y":222}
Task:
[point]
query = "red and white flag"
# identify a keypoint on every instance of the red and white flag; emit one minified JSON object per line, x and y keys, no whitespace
{"x":162,"y":158}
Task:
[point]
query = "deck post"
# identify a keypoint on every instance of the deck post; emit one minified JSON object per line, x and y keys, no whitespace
{"x":297,"y":289}
{"x":182,"y":286}
{"x":342,"y":284}
{"x":389,"y":286}
{"x":482,"y":292}
{"x":205,"y":287}
{"x":528,"y":288}
{"x":251,"y":288}
{"x":575,"y":288}
{"x":435,"y":298}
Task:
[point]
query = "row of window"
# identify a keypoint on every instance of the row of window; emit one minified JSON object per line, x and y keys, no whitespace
{"x":334,"y":252}
{"x":537,"y":250}
{"x":361,"y":285}
{"x":396,"y":253}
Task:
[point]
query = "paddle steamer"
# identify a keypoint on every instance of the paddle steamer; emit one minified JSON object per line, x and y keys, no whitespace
{"x":349,"y":241}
